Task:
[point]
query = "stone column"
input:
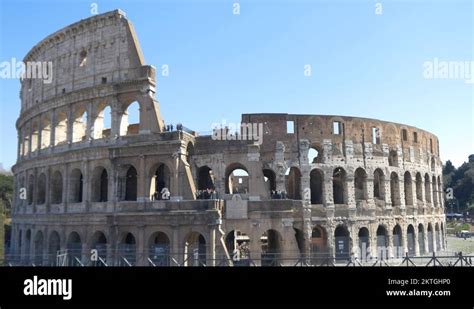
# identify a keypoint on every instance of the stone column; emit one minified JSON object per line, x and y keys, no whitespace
{"x":70,"y":124}
{"x":141,"y":259}
{"x":211,"y":248}
{"x":86,"y":184}
{"x":350,"y":192}
{"x":52,"y":137}
{"x":142,"y":192}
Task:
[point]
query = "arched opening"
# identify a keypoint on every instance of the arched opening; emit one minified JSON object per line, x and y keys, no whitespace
{"x":27,"y":246}
{"x":411,"y":240}
{"x":54,"y":247}
{"x":293,"y":183}
{"x":159,"y":249}
{"x":41,"y":190}
{"x":60,"y":129}
{"x":74,"y":249}
{"x":394,"y":189}
{"x":131,"y":184}
{"x":364,"y":244}
{"x":382,"y":243}
{"x":430,"y":238}
{"x":271,"y":248}
{"x":339,"y":186}
{"x":397,"y":242}
{"x":238,"y":246}
{"x":39,"y":248}
{"x":316,"y":186}
{"x":342,"y":243}
{"x":31,"y":189}
{"x":195,"y":250}
{"x":433,"y":164}
{"x":419,"y":191}
{"x":237,"y":179}
{"x":100,"y":185}
{"x":45,"y":132}
{"x":205,"y":178}
{"x":438,"y":237}
{"x":76,"y":186}
{"x":315,"y":155}
{"x":319,"y":245}
{"x":434,"y":186}
{"x":26,"y":141}
{"x":408,"y":189}
{"x":421,"y":239}
{"x":160,"y":183}
{"x":379,"y":184}
{"x":57,"y":188}
{"x":269,"y":178}
{"x":102,"y":123}
{"x":127,"y":250}
{"x":79,"y":126}
{"x":130,"y":120}
{"x":393,"y":158}
{"x":34,"y":136}
{"x":360,"y":184}
{"x":99,"y":243}
{"x":427,"y":189}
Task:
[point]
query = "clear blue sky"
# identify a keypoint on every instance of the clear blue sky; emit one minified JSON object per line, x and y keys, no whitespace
{"x":222,"y":65}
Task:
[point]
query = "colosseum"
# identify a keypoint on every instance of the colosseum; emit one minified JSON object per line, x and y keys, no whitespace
{"x":316,"y":189}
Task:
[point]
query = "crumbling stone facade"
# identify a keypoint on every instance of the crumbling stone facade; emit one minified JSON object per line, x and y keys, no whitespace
{"x":317,"y":186}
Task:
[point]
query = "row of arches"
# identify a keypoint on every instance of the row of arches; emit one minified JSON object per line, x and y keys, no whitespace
{"x":385,"y":243}
{"x":66,"y":126}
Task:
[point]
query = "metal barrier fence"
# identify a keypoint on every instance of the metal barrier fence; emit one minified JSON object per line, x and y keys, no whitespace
{"x":71,"y":258}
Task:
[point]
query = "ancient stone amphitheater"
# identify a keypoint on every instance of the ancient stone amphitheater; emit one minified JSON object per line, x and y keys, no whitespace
{"x":318,"y":188}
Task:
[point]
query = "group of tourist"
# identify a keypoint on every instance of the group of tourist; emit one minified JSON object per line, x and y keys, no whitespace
{"x":278,"y":195}
{"x":170,"y":127}
{"x":208,"y":194}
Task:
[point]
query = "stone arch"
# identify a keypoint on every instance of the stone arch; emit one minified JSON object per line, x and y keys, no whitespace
{"x":419,"y":190}
{"x":393,"y":158}
{"x":99,"y":242}
{"x":238,"y":246}
{"x":41,"y":190}
{"x":343,"y":244}
{"x":195,"y":249}
{"x":427,"y":189}
{"x":205,"y":178}
{"x":382,"y":242}
{"x":102,"y":122}
{"x":159,"y":180}
{"x":130,"y":119}
{"x":100,"y":185}
{"x":79,"y":125}
{"x":421,"y":239}
{"x":127,"y":249}
{"x":39,"y":244}
{"x":237,"y":182}
{"x":360,"y":184}
{"x":316,"y":186}
{"x":159,"y":247}
{"x":411,"y":240}
{"x":319,"y":242}
{"x":57,"y":188}
{"x":364,"y":244}
{"x":271,"y":241}
{"x":293,"y":183}
{"x":394,"y":189}
{"x":76,"y":186}
{"x":408,"y":188}
{"x":339,"y":186}
{"x":315,"y":154}
{"x":31,"y":189}
{"x":397,"y":241}
{"x":74,"y":248}
{"x":379,"y":184}
{"x":45,"y":131}
{"x":54,"y":245}
{"x":60,"y":128}
{"x":131,"y":184}
{"x":269,"y":178}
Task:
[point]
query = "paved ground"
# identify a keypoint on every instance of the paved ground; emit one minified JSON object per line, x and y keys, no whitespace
{"x":459,"y":244}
